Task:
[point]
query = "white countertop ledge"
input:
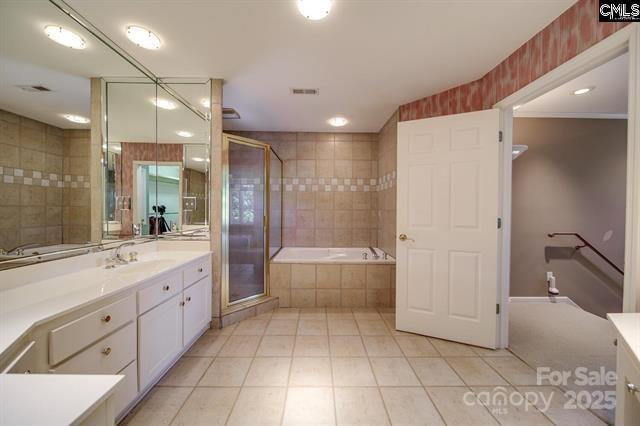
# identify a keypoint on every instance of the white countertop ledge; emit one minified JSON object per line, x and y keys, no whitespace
{"x":628,"y":326}
{"x":52,"y":399}
{"x":26,"y":306}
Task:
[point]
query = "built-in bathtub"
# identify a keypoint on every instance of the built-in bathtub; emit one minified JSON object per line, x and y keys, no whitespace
{"x":332,"y":277}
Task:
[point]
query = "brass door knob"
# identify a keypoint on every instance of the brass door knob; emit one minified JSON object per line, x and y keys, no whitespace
{"x":106,"y":318}
{"x":403,"y":237}
{"x":166,"y":288}
{"x":106,"y":351}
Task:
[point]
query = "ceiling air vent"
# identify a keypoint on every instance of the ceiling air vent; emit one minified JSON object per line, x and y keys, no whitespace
{"x":305,"y":91}
{"x":34,"y":88}
{"x":230,"y":114}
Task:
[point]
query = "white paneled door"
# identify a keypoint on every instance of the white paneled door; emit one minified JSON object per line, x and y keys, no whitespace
{"x":447,"y":227}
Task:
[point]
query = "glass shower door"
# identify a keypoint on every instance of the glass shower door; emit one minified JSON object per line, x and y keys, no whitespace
{"x":246,"y":201}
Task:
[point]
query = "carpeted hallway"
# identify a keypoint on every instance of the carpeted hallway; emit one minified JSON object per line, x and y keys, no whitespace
{"x":563,"y":337}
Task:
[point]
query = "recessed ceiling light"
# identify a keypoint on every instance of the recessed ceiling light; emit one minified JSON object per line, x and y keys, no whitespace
{"x":143,"y":37}
{"x":338,"y":121}
{"x":205,"y":103}
{"x":198,"y":159}
{"x":184,"y":133}
{"x":76,"y":118}
{"x":314,"y":9}
{"x":164,"y":103}
{"x":64,"y":37}
{"x":583,"y":91}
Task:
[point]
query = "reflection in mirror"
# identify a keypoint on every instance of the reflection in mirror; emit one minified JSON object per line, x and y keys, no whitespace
{"x":157,"y":171}
{"x":49,"y":166}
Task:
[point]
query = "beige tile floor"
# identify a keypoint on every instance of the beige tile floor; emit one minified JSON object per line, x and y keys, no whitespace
{"x":343,"y":366}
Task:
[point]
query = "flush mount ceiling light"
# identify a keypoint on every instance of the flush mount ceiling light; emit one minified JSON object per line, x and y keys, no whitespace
{"x":338,"y":121}
{"x":64,"y":37}
{"x":583,"y":91}
{"x":197,"y":159}
{"x":76,"y":118}
{"x":314,"y":9}
{"x":184,"y":133}
{"x":143,"y":37}
{"x":205,"y":103}
{"x":164,"y":103}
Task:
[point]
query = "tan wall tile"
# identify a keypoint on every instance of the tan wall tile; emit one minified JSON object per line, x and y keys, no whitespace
{"x":9,"y":133}
{"x":378,"y":276}
{"x":343,"y":168}
{"x":10,"y":194}
{"x":343,"y":200}
{"x":353,"y":276}
{"x":306,"y":201}
{"x":31,"y":138}
{"x":362,"y":150}
{"x":284,"y":294}
{"x":328,"y":276}
{"x":10,"y":218}
{"x":324,"y":237}
{"x":324,"y":219}
{"x":353,"y":298}
{"x":303,"y":298}
{"x":361,"y":169}
{"x":10,"y":156}
{"x":306,"y":168}
{"x":343,"y":151}
{"x":342,"y":238}
{"x":324,"y":200}
{"x":328,"y":298}
{"x":280,"y":275}
{"x":306,"y":150}
{"x":378,"y":298}
{"x":304,"y":237}
{"x":324,"y":168}
{"x":305,"y":219}
{"x":324,"y":150}
{"x":303,"y":276}
{"x":342,"y":219}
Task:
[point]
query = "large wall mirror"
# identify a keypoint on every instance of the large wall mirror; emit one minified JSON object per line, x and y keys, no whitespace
{"x":88,"y":152}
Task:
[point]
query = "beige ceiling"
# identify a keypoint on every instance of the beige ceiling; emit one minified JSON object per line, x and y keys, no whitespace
{"x":367,"y":57}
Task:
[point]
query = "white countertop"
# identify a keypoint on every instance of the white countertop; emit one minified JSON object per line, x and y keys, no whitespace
{"x":25,"y":306}
{"x":628,"y":326}
{"x":52,"y":399}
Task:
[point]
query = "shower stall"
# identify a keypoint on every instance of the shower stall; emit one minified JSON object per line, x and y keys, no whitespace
{"x":251,"y":217}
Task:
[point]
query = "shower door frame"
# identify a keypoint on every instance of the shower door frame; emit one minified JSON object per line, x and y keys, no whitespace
{"x":266,"y":148}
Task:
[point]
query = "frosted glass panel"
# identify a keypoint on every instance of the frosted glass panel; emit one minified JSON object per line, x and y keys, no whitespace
{"x":246,"y":221}
{"x":275,"y":204}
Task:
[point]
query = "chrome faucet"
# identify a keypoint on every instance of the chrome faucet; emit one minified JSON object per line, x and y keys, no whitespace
{"x":375,"y":255}
{"x":19,"y":250}
{"x":117,"y":257}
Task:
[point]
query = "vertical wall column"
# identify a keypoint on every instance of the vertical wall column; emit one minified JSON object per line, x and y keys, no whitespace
{"x":95,"y":156}
{"x":215,"y":207}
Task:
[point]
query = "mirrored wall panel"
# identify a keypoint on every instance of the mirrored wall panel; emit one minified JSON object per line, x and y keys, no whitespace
{"x":157,"y":168}
{"x":49,"y":93}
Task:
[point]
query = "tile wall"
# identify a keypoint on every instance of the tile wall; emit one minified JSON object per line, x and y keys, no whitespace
{"x":44,"y":183}
{"x":330,"y":187}
{"x":387,"y":156}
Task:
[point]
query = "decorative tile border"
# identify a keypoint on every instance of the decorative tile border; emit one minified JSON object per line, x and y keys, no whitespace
{"x":387,"y":181}
{"x":16,"y":176}
{"x":321,"y":184}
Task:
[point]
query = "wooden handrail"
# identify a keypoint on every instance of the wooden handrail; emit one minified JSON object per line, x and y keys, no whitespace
{"x":586,"y":243}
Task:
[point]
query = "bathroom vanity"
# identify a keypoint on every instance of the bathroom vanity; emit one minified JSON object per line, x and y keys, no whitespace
{"x":627,"y":327}
{"x":77,"y":317}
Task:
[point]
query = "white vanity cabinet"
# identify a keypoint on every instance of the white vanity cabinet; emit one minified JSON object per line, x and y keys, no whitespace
{"x":196,"y":310}
{"x":159,"y":339}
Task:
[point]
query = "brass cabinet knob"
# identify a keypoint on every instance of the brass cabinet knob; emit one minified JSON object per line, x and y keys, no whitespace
{"x":199,"y":269}
{"x":181,"y":303}
{"x":166,"y":288}
{"x":106,"y":351}
{"x":106,"y":318}
{"x":189,"y":299}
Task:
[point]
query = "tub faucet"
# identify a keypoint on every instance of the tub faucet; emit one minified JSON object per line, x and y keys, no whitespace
{"x":375,"y":255}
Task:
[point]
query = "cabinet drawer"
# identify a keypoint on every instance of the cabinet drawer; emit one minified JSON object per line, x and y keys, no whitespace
{"x":108,"y":356}
{"x":73,"y":336}
{"x":128,"y":389}
{"x":197,"y":270}
{"x":163,"y":289}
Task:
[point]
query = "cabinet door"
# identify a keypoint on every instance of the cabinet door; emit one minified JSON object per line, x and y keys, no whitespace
{"x":159,"y":339}
{"x":196,"y":310}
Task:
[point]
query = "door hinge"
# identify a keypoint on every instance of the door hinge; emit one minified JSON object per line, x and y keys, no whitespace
{"x":497,"y":309}
{"x":499,"y":223}
{"x":500,"y":136}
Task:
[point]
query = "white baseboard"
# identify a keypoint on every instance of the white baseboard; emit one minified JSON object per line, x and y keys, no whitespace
{"x":544,"y":299}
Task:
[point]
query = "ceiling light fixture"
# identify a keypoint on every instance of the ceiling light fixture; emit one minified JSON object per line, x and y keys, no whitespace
{"x":583,"y":91}
{"x":338,"y":121}
{"x":64,"y":37}
{"x":314,"y":9}
{"x":143,"y":37}
{"x":184,"y":133}
{"x":164,"y":103}
{"x":205,"y":103}
{"x":76,"y":118}
{"x":197,"y":159}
